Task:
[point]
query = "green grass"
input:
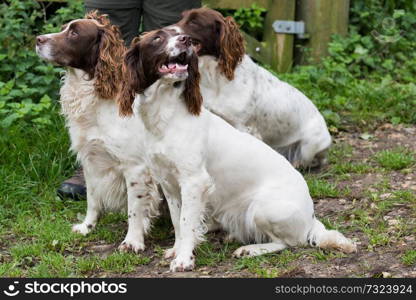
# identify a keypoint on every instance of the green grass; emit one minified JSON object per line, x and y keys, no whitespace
{"x":276,"y":264}
{"x":409,"y":258}
{"x":268,"y":265}
{"x":406,"y":196}
{"x":320,"y":188}
{"x":348,"y":168}
{"x":36,"y":240}
{"x":319,"y":255}
{"x":341,"y":167}
{"x":373,"y":227}
{"x":34,"y":223}
{"x":339,"y":152}
{"x":35,"y":236}
{"x":209,"y":254}
{"x":115,"y":263}
{"x":370,"y":219}
{"x":396,"y":159}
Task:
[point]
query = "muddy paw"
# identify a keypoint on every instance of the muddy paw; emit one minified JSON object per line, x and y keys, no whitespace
{"x":82,"y":228}
{"x":183,"y":264}
{"x":129,"y":245}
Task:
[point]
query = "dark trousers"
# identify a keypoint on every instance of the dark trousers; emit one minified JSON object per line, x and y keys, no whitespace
{"x":146,"y":15}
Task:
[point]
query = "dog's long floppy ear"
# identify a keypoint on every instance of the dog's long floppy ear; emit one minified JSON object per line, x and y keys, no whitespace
{"x":111,"y":48}
{"x":231,"y":47}
{"x":192,"y":92}
{"x":132,"y":79}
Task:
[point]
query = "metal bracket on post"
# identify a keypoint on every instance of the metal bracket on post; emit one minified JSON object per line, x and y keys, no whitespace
{"x":290,"y":27}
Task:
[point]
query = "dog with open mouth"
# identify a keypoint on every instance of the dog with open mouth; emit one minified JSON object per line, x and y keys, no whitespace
{"x":208,"y":170}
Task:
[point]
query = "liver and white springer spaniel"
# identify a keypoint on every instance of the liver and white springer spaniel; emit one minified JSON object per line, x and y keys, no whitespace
{"x":109,"y":147}
{"x":249,"y":97}
{"x":207,"y":168}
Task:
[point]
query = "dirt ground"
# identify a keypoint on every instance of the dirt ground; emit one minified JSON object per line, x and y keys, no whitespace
{"x":397,"y":222}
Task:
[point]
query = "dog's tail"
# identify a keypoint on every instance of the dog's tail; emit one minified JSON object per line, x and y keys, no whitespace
{"x":320,"y":237}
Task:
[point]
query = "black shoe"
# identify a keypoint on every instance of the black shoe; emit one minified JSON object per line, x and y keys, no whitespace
{"x":74,"y":187}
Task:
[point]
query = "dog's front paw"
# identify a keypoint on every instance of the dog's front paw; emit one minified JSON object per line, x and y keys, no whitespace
{"x":82,"y":228}
{"x":131,"y":245}
{"x":183,"y":264}
{"x":170,"y":253}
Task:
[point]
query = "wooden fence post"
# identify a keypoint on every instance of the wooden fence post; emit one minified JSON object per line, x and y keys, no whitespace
{"x":280,"y":45}
{"x":322,"y":18}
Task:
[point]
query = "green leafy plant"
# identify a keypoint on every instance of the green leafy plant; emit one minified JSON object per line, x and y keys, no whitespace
{"x":27,"y":84}
{"x":38,"y":113}
{"x":370,"y":75}
{"x":250,"y":19}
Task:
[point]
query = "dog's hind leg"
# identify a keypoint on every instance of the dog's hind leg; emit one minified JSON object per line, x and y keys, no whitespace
{"x":272,"y":223}
{"x":259,"y":249}
{"x":279,"y":223}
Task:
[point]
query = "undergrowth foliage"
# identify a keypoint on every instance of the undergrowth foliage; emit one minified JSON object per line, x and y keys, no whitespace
{"x":250,"y":19}
{"x":370,"y":75}
{"x":28,"y":84}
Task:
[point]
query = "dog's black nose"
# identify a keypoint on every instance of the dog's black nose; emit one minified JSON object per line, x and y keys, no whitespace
{"x":41,"y":39}
{"x":185,"y":39}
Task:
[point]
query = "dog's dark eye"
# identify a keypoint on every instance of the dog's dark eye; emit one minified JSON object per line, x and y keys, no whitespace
{"x":73,"y":33}
{"x":193,"y":23}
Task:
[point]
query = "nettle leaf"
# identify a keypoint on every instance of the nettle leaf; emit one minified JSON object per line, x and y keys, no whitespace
{"x":7,"y":87}
{"x":398,"y":13}
{"x":360,"y":50}
{"x":45,"y":100}
{"x":14,"y":105}
{"x":43,"y":121}
{"x":24,"y":110}
{"x":27,"y":101}
{"x":15,"y":93}
{"x":42,"y":68}
{"x":8,"y":121}
{"x":388,"y":64}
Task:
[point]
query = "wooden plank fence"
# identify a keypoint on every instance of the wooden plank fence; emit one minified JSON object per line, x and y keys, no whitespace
{"x":322,"y":18}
